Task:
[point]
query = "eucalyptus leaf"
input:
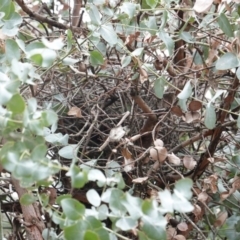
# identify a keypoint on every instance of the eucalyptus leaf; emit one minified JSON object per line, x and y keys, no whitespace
{"x":16,"y":104}
{"x":126,"y":223}
{"x":238,"y":121}
{"x":210,"y":117}
{"x":93,"y":197}
{"x":225,"y":25}
{"x":96,"y":58}
{"x":227,"y":61}
{"x":12,"y":50}
{"x":152,"y":3}
{"x":69,"y":151}
{"x":108,"y":34}
{"x":187,"y":37}
{"x":126,"y":61}
{"x":72,"y":208}
{"x":128,"y":8}
{"x":167,"y":41}
{"x":159,"y":85}
{"x":94,"y":15}
{"x":186,"y":92}
{"x":27,"y":199}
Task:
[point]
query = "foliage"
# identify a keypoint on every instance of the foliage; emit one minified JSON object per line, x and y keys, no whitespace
{"x":119,"y":119}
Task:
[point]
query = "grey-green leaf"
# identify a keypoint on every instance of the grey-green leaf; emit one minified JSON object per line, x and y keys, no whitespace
{"x":186,"y":92}
{"x":94,"y":15}
{"x":167,"y":41}
{"x":210,"y":117}
{"x":227,"y":61}
{"x":125,"y":61}
{"x":93,"y":197}
{"x":225,"y":25}
{"x":159,"y":87}
{"x":68,"y":152}
{"x":238,"y":121}
{"x":108,"y":34}
{"x":187,"y":37}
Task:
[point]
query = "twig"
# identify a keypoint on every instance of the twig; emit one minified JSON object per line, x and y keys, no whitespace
{"x":118,"y":125}
{"x":43,"y":19}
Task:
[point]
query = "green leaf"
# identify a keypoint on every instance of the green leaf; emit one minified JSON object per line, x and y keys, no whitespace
{"x":69,"y":39}
{"x":167,"y":41}
{"x":225,"y":25}
{"x":97,"y":226}
{"x":227,"y":61}
{"x":91,"y":235}
{"x":49,"y":117}
{"x":125,"y":60}
{"x":79,"y":177}
{"x":12,"y":50}
{"x":37,"y":59}
{"x":153,"y":232}
{"x":186,"y":92}
{"x":61,"y":197}
{"x":93,"y":197}
{"x":73,"y":209}
{"x":68,"y":152}
{"x":27,"y":199}
{"x":39,"y":152}
{"x":96,"y":58}
{"x":42,"y":56}
{"x":16,"y":104}
{"x":76,"y":231}
{"x":210,"y":117}
{"x":152,"y":3}
{"x":108,"y":34}
{"x":159,"y":87}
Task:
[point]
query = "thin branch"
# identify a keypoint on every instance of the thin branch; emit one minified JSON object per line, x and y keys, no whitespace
{"x":44,"y":19}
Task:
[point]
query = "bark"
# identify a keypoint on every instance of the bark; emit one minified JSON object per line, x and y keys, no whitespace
{"x":33,"y":223}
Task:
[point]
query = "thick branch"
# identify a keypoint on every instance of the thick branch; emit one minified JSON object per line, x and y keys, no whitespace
{"x":76,"y":12}
{"x":149,"y":123}
{"x":204,"y":162}
{"x":33,"y":223}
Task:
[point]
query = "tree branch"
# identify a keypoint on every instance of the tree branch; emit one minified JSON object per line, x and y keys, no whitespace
{"x":44,"y":19}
